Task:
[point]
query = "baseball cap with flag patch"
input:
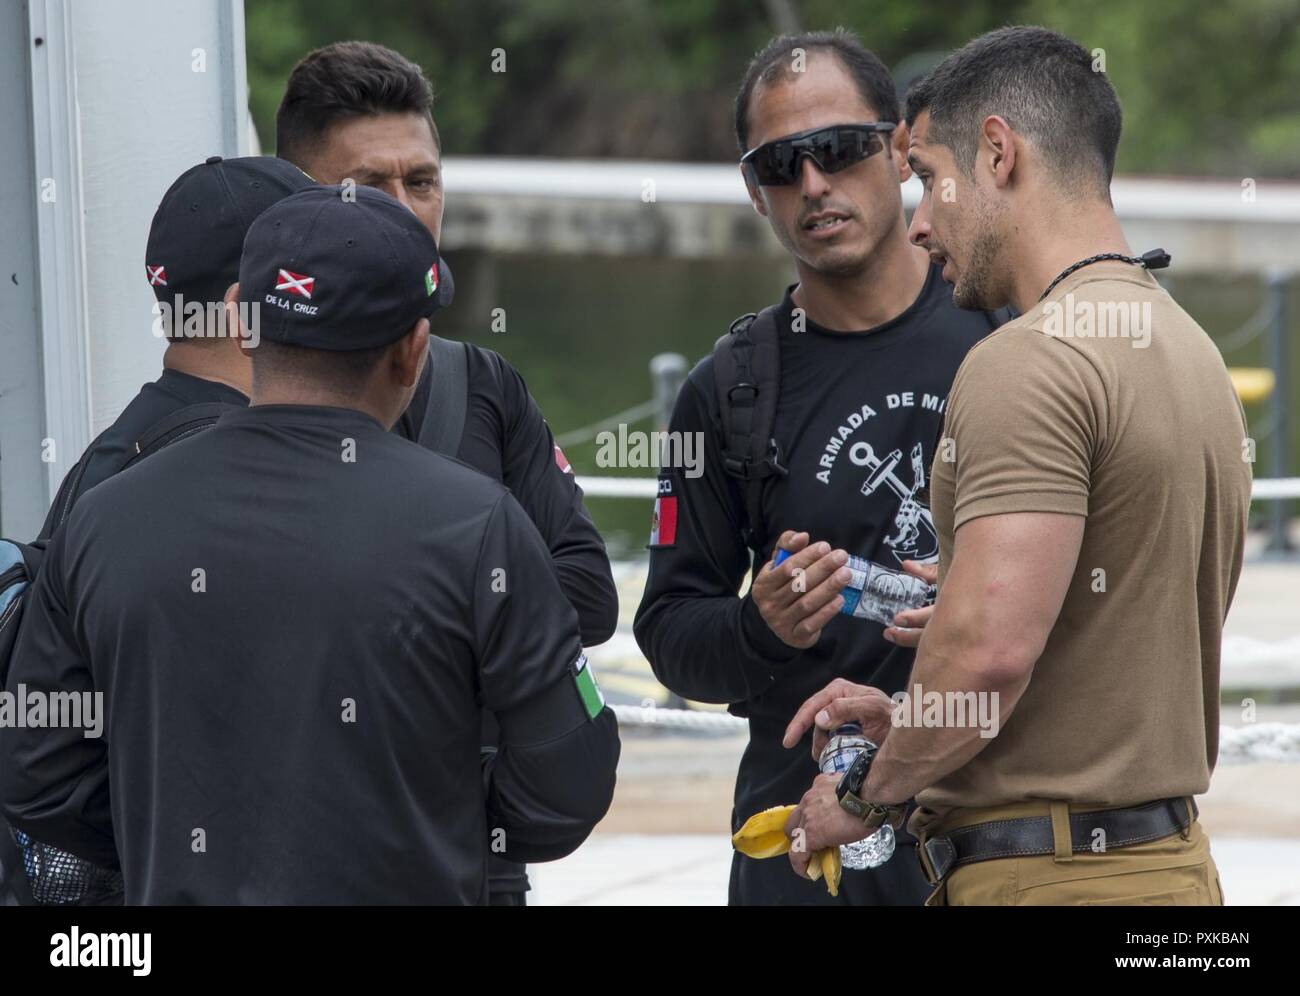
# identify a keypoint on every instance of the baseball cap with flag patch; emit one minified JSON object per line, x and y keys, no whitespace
{"x":340,"y":268}
{"x":198,"y":230}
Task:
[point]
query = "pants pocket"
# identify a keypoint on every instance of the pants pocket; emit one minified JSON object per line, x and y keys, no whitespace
{"x":1188,"y":885}
{"x":1178,"y":897}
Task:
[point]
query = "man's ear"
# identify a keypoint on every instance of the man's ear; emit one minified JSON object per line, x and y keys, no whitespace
{"x":997,"y":149}
{"x":899,"y":140}
{"x":235,"y":329}
{"x":755,"y":197}
{"x":410,"y":354}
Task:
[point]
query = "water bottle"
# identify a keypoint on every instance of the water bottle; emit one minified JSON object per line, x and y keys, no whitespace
{"x":846,"y":743}
{"x":876,"y":592}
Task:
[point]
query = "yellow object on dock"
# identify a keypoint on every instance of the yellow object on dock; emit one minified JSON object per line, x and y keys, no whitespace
{"x":1253,"y":384}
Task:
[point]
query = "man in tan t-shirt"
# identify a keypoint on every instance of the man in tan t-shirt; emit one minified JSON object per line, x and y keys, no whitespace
{"x":1090,"y":494}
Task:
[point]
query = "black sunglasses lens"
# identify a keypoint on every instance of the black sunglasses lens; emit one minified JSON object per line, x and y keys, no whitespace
{"x":774,"y":166}
{"x":847,"y":149}
{"x":834,"y":149}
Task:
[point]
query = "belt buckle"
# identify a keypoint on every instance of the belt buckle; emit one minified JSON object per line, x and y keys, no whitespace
{"x":937,"y":856}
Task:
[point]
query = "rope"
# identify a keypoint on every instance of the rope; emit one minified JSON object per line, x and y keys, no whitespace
{"x":1259,"y":742}
{"x":1279,"y":742}
{"x":634,"y":414}
{"x":1250,"y":329}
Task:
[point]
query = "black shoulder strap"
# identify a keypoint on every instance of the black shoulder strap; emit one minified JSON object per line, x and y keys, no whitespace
{"x":444,"y":418}
{"x":747,"y":380}
{"x":177,"y":426}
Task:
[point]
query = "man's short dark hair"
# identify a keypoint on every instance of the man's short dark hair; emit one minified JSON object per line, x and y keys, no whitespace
{"x":1046,"y":88}
{"x":341,"y":371}
{"x":775,"y":61}
{"x":347,"y":80}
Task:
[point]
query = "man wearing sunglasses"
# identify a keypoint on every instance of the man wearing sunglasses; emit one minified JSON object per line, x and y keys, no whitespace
{"x":865,"y":346}
{"x":1093,"y":523}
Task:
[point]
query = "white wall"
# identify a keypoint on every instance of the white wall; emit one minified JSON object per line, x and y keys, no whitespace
{"x":146,"y":117}
{"x":113,"y":99}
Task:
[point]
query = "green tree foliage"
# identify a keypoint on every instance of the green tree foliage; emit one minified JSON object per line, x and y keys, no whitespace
{"x":1207,"y":88}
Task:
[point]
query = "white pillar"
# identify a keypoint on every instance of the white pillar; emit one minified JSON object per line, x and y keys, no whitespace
{"x":110,"y":100}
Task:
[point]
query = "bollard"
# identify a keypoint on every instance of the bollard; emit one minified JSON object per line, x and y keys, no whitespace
{"x":667,"y":374}
{"x":1279,"y":542}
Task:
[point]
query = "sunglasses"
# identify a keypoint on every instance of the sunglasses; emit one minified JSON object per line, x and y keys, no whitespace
{"x":775,"y":164}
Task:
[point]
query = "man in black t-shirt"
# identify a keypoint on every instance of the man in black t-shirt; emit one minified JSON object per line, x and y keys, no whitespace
{"x":869,"y":342}
{"x":192,"y":264}
{"x":359,"y":112}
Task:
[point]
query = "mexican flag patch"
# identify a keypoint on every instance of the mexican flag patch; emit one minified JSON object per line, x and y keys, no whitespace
{"x":592,"y":698}
{"x":431,"y":281}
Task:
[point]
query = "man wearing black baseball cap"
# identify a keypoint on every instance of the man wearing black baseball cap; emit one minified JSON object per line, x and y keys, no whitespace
{"x":359,"y":111}
{"x":320,"y":635}
{"x":191,"y":263}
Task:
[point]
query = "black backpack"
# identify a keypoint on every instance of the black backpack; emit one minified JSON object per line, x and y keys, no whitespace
{"x":747,"y":383}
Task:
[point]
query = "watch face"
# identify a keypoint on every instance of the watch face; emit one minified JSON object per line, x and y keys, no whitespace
{"x":851,"y":784}
{"x":857,"y":773}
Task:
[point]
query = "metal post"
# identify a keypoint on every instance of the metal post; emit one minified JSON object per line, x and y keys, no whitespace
{"x":667,"y":374}
{"x":1279,"y":543}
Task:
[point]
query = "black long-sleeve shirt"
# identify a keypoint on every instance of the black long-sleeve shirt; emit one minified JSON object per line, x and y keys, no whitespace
{"x":506,"y":438}
{"x":293,"y":649}
{"x":847,"y":401}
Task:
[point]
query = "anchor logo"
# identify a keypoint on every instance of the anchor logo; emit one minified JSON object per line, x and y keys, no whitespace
{"x":915,"y":538}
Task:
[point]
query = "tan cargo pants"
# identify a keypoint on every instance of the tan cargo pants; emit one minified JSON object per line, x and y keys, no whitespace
{"x":1177,"y":870}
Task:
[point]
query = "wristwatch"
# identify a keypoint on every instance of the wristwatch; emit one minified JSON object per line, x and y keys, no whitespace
{"x":849,"y":793}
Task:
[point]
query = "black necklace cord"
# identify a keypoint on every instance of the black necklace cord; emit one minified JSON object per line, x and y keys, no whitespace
{"x":1152,"y":259}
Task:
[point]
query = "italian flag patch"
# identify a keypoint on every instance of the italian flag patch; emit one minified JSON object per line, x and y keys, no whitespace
{"x":431,"y":280}
{"x":592,"y":699}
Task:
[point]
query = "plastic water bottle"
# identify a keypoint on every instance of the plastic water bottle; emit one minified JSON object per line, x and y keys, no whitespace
{"x":846,"y":743}
{"x":876,"y":592}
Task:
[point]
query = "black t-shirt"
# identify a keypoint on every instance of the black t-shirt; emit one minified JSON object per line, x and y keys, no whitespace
{"x":850,"y":404}
{"x":111,"y":450}
{"x":293,"y":649}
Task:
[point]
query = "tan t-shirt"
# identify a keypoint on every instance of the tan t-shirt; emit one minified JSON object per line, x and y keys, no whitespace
{"x":1141,"y":432}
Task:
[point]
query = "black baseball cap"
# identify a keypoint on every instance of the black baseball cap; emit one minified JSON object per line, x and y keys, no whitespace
{"x":198,"y":230}
{"x":341,"y":268}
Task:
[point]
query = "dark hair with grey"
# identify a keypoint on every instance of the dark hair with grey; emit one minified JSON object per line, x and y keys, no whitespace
{"x":1044,"y":86}
{"x":775,"y":62}
{"x":347,"y":80}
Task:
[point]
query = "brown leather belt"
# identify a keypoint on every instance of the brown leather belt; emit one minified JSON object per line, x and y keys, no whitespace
{"x":1032,"y":835}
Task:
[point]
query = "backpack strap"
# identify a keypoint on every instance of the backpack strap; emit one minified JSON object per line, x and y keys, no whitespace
{"x":747,"y":380}
{"x":1000,"y":316}
{"x":444,"y":413}
{"x":177,"y":426}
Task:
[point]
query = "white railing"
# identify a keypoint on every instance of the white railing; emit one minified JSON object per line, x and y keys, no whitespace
{"x":599,"y":486}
